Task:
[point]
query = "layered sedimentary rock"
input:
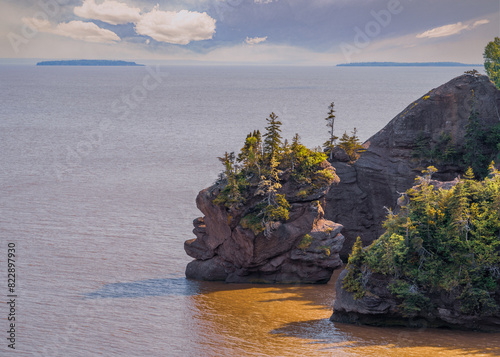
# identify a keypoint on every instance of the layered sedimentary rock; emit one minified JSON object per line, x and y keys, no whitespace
{"x":388,"y":167}
{"x":303,"y":249}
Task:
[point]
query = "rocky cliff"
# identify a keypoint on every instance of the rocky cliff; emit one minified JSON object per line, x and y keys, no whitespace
{"x":381,"y":308}
{"x":435,"y":291}
{"x":303,"y":249}
{"x":389,"y":166}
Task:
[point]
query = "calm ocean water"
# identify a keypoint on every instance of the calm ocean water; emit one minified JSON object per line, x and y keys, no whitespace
{"x":99,"y":170}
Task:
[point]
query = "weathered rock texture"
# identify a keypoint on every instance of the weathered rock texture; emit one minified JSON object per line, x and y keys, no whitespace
{"x":380,"y":308}
{"x":225,"y":251}
{"x":387,"y":167}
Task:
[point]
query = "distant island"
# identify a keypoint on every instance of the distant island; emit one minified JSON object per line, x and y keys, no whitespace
{"x":407,"y":64}
{"x":87,"y":63}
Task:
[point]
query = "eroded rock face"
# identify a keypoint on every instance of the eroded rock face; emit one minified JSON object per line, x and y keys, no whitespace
{"x":380,"y":308}
{"x":304,"y":249}
{"x":388,"y":168}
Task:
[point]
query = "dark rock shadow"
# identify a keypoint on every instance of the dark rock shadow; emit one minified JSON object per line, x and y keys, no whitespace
{"x":343,"y":336}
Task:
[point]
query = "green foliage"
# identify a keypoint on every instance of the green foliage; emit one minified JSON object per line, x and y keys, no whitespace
{"x":325,"y":250}
{"x":440,"y":241}
{"x":481,"y":145}
{"x":272,"y":141}
{"x":330,"y":143}
{"x":257,"y":173}
{"x":253,"y":222}
{"x":492,"y":61}
{"x":305,"y":242}
{"x":412,"y":300}
{"x":444,"y":152}
{"x":351,"y":145}
{"x":353,"y":281}
{"x":279,"y":211}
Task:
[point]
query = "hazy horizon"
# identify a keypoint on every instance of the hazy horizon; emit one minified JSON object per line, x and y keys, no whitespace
{"x":296,"y":32}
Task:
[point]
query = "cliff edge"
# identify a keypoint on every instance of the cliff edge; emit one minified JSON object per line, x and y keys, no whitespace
{"x":434,"y":123}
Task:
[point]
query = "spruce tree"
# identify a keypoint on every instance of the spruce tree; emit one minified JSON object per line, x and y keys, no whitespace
{"x":330,"y":143}
{"x":272,"y":141}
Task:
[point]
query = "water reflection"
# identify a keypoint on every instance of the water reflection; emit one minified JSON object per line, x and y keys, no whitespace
{"x":145,"y":288}
{"x":285,"y":320}
{"x":369,"y":341}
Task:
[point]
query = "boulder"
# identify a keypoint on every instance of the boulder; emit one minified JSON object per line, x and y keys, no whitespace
{"x":388,"y":167}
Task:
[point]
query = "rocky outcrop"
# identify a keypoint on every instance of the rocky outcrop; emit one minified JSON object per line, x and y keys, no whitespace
{"x":303,"y":249}
{"x":388,"y":167}
{"x":380,"y":308}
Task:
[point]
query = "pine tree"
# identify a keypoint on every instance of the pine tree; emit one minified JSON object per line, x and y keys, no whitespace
{"x":330,"y":143}
{"x":474,"y":140}
{"x":250,"y":154}
{"x":351,"y":145}
{"x":492,"y":61}
{"x":272,"y":141}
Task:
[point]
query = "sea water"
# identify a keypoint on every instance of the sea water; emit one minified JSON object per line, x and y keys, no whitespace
{"x":99,"y":170}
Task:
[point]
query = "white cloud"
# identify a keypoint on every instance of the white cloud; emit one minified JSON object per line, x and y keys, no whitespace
{"x":263,"y":1}
{"x":176,"y":27}
{"x":255,"y":40}
{"x":110,"y":11}
{"x":78,"y":30}
{"x":480,"y":22}
{"x":449,"y":30}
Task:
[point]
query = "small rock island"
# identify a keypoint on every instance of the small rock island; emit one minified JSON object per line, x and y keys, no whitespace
{"x":88,"y":63}
{"x":264,"y":217}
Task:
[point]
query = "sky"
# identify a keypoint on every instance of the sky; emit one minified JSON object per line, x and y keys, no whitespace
{"x":297,"y":32}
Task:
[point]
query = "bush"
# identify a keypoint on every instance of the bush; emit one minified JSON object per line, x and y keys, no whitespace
{"x":441,"y":241}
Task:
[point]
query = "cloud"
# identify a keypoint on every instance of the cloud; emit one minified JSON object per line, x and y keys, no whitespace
{"x":176,"y":27}
{"x":263,"y":1}
{"x":255,"y":40}
{"x":480,"y":22}
{"x":449,"y":30}
{"x":109,"y":11}
{"x":78,"y":30}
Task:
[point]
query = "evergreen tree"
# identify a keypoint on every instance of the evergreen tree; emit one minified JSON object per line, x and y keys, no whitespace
{"x":272,"y":141}
{"x":351,"y":145}
{"x":492,"y":61}
{"x":474,"y":142}
{"x":228,"y":160}
{"x":250,"y":154}
{"x":330,"y":143}
{"x":442,"y":242}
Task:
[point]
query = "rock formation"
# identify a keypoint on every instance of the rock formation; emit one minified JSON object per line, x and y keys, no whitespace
{"x":303,"y":249}
{"x":380,"y":307}
{"x":387,"y":168}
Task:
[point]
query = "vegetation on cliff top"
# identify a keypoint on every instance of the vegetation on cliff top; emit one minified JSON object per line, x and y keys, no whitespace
{"x":266,"y":162}
{"x":260,"y":169}
{"x":492,"y":61}
{"x":443,"y":241}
